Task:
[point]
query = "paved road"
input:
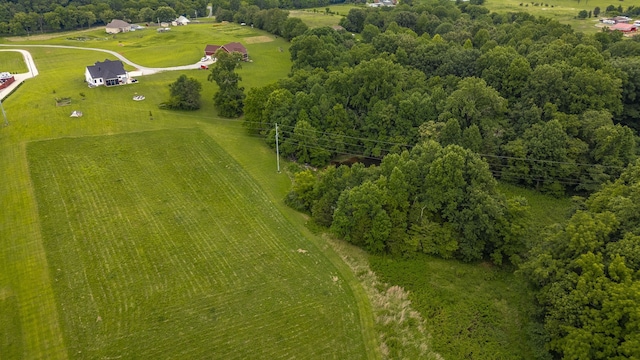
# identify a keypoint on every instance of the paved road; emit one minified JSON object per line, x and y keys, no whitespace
{"x":33,"y":71}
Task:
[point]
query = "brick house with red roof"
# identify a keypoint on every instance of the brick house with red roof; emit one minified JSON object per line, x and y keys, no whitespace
{"x":231,"y":47}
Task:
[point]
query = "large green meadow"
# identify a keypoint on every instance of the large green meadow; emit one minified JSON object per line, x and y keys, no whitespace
{"x":136,"y":232}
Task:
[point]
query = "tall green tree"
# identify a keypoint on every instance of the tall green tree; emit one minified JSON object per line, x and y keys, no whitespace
{"x":230,"y":96}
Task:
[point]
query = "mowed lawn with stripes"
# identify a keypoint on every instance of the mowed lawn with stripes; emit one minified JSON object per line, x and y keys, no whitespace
{"x":161,"y":246}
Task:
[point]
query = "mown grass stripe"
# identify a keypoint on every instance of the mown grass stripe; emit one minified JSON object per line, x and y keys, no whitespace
{"x":181,"y":268}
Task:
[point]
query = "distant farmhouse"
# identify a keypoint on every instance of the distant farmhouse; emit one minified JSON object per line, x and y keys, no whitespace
{"x":624,"y":27}
{"x":232,"y":47}
{"x":181,"y":20}
{"x":117,"y":26}
{"x":108,"y":73}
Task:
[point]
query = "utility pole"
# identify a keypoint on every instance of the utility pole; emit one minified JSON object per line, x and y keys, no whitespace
{"x":277,"y":149}
{"x":6,"y":122}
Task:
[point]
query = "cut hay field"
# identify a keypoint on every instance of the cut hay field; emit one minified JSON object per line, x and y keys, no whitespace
{"x":168,"y":228}
{"x":160,"y":245}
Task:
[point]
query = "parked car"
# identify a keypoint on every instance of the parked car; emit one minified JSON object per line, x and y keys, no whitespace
{"x":204,"y":67}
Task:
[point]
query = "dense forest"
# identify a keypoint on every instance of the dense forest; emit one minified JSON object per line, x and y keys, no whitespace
{"x":24,"y":17}
{"x":451,"y":98}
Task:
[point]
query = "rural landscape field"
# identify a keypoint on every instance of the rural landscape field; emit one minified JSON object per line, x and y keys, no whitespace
{"x":138,"y":232}
{"x":503,"y":156}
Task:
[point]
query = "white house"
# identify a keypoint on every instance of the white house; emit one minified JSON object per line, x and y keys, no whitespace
{"x":117,"y":26}
{"x":181,"y":20}
{"x":108,"y":73}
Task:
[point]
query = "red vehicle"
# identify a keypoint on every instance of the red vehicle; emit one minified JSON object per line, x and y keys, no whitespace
{"x":204,"y":67}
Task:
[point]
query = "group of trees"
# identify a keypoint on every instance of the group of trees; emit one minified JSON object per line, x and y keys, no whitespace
{"x":588,"y":275}
{"x":26,"y":17}
{"x":184,"y":93}
{"x":432,"y":199}
{"x":547,"y":107}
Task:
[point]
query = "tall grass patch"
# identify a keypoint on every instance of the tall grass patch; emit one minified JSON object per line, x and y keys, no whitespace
{"x":160,"y":245}
{"x":473,"y":311}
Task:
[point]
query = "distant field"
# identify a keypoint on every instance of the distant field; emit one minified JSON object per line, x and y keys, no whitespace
{"x":161,"y":246}
{"x":318,"y":17}
{"x":13,"y":62}
{"x":565,"y":11}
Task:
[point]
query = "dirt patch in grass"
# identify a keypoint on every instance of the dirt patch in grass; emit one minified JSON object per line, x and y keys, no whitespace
{"x":258,"y":39}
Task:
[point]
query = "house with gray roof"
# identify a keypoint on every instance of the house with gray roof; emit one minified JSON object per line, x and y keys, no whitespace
{"x":117,"y":26}
{"x":108,"y":73}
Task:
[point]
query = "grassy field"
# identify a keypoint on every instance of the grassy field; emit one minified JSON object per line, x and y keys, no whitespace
{"x":564,"y":11}
{"x":13,"y":62}
{"x":160,"y":245}
{"x":179,"y":283}
{"x":181,"y":46}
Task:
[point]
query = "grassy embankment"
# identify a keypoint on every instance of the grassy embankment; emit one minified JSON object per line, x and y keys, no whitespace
{"x":104,"y":265}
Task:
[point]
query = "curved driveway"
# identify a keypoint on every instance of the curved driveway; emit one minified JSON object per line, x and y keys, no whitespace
{"x":33,"y":71}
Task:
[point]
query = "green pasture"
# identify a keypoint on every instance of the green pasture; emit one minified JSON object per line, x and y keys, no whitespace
{"x":173,"y":282}
{"x":13,"y":62}
{"x":564,"y":11}
{"x":159,"y":244}
{"x":473,"y":311}
{"x":182,"y":45}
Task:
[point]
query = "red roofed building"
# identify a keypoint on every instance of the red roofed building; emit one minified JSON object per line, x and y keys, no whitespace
{"x":232,"y":47}
{"x":625,"y":28}
{"x":209,"y":50}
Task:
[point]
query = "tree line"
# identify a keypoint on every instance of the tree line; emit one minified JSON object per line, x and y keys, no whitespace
{"x":27,"y":17}
{"x":545,"y":106}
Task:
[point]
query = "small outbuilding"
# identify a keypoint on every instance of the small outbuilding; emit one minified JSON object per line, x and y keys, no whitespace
{"x":181,"y":20}
{"x":117,"y":26}
{"x":108,"y":73}
{"x":625,"y":28}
